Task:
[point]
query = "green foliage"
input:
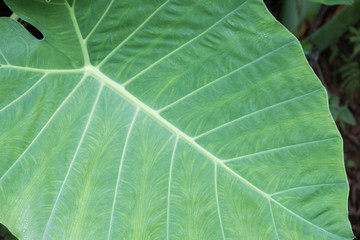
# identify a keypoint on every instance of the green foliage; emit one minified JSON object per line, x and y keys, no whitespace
{"x":350,"y":69}
{"x":350,"y":75}
{"x":355,"y":39}
{"x":294,"y":14}
{"x":329,"y":33}
{"x":341,"y":114}
{"x":6,"y":234}
{"x":333,"y":2}
{"x":350,"y":163}
{"x":164,"y":120}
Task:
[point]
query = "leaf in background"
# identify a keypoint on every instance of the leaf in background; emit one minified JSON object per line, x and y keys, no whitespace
{"x":164,"y":120}
{"x":346,"y":116}
{"x":5,"y":234}
{"x":334,"y":106}
{"x":355,"y":39}
{"x":333,"y":2}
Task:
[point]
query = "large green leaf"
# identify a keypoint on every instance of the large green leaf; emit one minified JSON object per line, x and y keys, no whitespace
{"x":162,"y":119}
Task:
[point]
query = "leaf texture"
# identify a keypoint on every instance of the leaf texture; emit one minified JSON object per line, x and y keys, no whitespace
{"x":160,"y":119}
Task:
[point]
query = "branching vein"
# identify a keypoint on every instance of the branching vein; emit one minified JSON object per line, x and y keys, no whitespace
{"x":225,"y":76}
{"x":132,"y":34}
{"x":303,"y":219}
{"x":169,"y":188}
{"x":273,"y":220}
{"x":6,"y":60}
{"x":78,"y":33}
{"x":24,"y":94}
{"x":280,"y":149}
{"x":42,"y":70}
{"x":119,"y":172}
{"x":181,"y":47}
{"x":72,"y":162}
{"x":100,"y":20}
{"x":309,"y":186}
{"x":155,"y":115}
{"x":256,"y":112}
{"x":217,"y":201}
{"x":42,"y":129}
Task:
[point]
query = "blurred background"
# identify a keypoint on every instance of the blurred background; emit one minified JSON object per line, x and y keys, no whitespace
{"x":330,"y":36}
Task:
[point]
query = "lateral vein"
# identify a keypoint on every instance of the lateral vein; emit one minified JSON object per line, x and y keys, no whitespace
{"x":224,"y":76}
{"x":132,"y":34}
{"x":24,"y":94}
{"x":120,"y":169}
{"x":93,"y":71}
{"x":179,"y":48}
{"x":257,"y":112}
{"x":169,"y":188}
{"x":42,"y":129}
{"x":72,"y":161}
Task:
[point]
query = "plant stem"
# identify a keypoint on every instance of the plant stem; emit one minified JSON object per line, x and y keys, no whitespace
{"x":14,"y":16}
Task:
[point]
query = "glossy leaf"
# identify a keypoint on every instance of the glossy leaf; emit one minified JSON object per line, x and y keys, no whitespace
{"x":164,"y":120}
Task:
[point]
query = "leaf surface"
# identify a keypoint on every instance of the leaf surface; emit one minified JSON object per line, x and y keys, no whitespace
{"x":164,"y":120}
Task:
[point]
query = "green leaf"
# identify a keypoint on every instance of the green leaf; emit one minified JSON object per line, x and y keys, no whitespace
{"x":346,"y":116}
{"x":333,"y":2}
{"x":350,"y":163}
{"x":164,"y":120}
{"x":334,"y":106}
{"x":331,"y":31}
{"x":5,"y":234}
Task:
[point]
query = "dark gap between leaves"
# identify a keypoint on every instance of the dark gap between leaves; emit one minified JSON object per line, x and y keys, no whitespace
{"x":5,"y":11}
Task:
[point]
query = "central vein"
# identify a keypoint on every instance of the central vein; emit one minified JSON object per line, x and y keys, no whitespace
{"x":94,"y":72}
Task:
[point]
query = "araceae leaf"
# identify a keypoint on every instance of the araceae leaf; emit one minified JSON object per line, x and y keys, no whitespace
{"x":162,"y":119}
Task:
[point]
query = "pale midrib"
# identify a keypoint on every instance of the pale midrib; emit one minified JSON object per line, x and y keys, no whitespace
{"x":95,"y":73}
{"x":51,"y":3}
{"x":42,"y":70}
{"x":82,"y":42}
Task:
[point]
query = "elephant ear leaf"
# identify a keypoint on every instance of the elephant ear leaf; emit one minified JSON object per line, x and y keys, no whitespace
{"x":163,"y":119}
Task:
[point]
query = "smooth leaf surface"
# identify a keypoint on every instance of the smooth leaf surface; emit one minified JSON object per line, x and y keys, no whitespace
{"x":164,"y":120}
